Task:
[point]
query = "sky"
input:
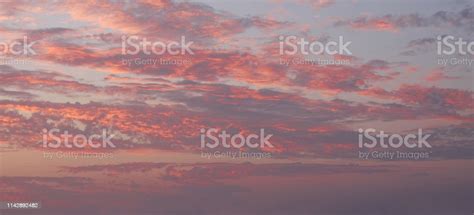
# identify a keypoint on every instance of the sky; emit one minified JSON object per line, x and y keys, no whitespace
{"x":316,"y":79}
